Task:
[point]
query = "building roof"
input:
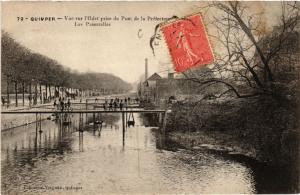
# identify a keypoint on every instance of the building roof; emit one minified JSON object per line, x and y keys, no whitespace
{"x":153,"y":77}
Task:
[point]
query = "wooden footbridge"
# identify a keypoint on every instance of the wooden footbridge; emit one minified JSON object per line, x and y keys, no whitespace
{"x":63,"y":114}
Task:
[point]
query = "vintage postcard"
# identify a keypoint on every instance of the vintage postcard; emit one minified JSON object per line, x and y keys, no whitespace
{"x":127,"y":97}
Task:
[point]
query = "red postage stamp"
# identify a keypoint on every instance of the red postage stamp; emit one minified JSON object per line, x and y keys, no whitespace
{"x":188,"y":43}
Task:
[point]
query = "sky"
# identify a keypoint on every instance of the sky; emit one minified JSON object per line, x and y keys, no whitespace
{"x":120,"y":48}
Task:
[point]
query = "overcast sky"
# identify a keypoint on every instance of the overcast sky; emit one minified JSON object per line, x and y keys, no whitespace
{"x":115,"y":49}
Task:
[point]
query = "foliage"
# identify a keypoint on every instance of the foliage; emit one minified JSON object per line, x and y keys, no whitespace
{"x":246,"y":55}
{"x":19,"y":64}
{"x":261,"y":69}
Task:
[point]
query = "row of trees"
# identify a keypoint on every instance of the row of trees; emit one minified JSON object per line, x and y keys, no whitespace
{"x":22,"y":67}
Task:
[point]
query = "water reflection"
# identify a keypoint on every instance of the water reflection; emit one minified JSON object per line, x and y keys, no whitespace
{"x":80,"y":141}
{"x":98,"y":161}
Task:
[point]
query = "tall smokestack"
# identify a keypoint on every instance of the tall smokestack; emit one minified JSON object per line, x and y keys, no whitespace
{"x":146,"y":68}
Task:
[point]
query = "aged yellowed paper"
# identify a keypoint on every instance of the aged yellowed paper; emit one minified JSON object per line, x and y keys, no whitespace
{"x":149,"y":97}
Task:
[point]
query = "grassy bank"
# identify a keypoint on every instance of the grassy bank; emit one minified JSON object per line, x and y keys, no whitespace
{"x":262,"y":128}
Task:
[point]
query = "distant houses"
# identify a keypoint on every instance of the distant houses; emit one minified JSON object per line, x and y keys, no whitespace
{"x":157,"y":89}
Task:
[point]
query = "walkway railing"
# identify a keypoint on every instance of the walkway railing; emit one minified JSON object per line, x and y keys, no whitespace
{"x":61,"y":114}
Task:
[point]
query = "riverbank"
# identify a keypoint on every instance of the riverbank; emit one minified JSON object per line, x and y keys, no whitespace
{"x":231,"y":148}
{"x":264,"y":129}
{"x":213,"y":140}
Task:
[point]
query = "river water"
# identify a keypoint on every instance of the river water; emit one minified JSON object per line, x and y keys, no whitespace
{"x":60,"y":160}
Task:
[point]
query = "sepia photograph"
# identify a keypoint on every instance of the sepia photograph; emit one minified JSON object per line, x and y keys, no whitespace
{"x":150,"y":97}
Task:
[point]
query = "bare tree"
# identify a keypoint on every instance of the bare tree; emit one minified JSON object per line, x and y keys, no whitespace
{"x":244,"y":62}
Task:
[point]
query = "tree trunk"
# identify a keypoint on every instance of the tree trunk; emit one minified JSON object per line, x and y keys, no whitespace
{"x":50,"y":92}
{"x":23,"y":93}
{"x":46,"y":97}
{"x":41,"y":98}
{"x":36,"y":93}
{"x":56,"y":91}
{"x":8,"y":100}
{"x":16,"y":93}
{"x":30,"y":94}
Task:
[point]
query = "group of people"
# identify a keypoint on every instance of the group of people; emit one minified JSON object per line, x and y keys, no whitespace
{"x":113,"y":104}
{"x":62,"y":104}
{"x":116,"y":103}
